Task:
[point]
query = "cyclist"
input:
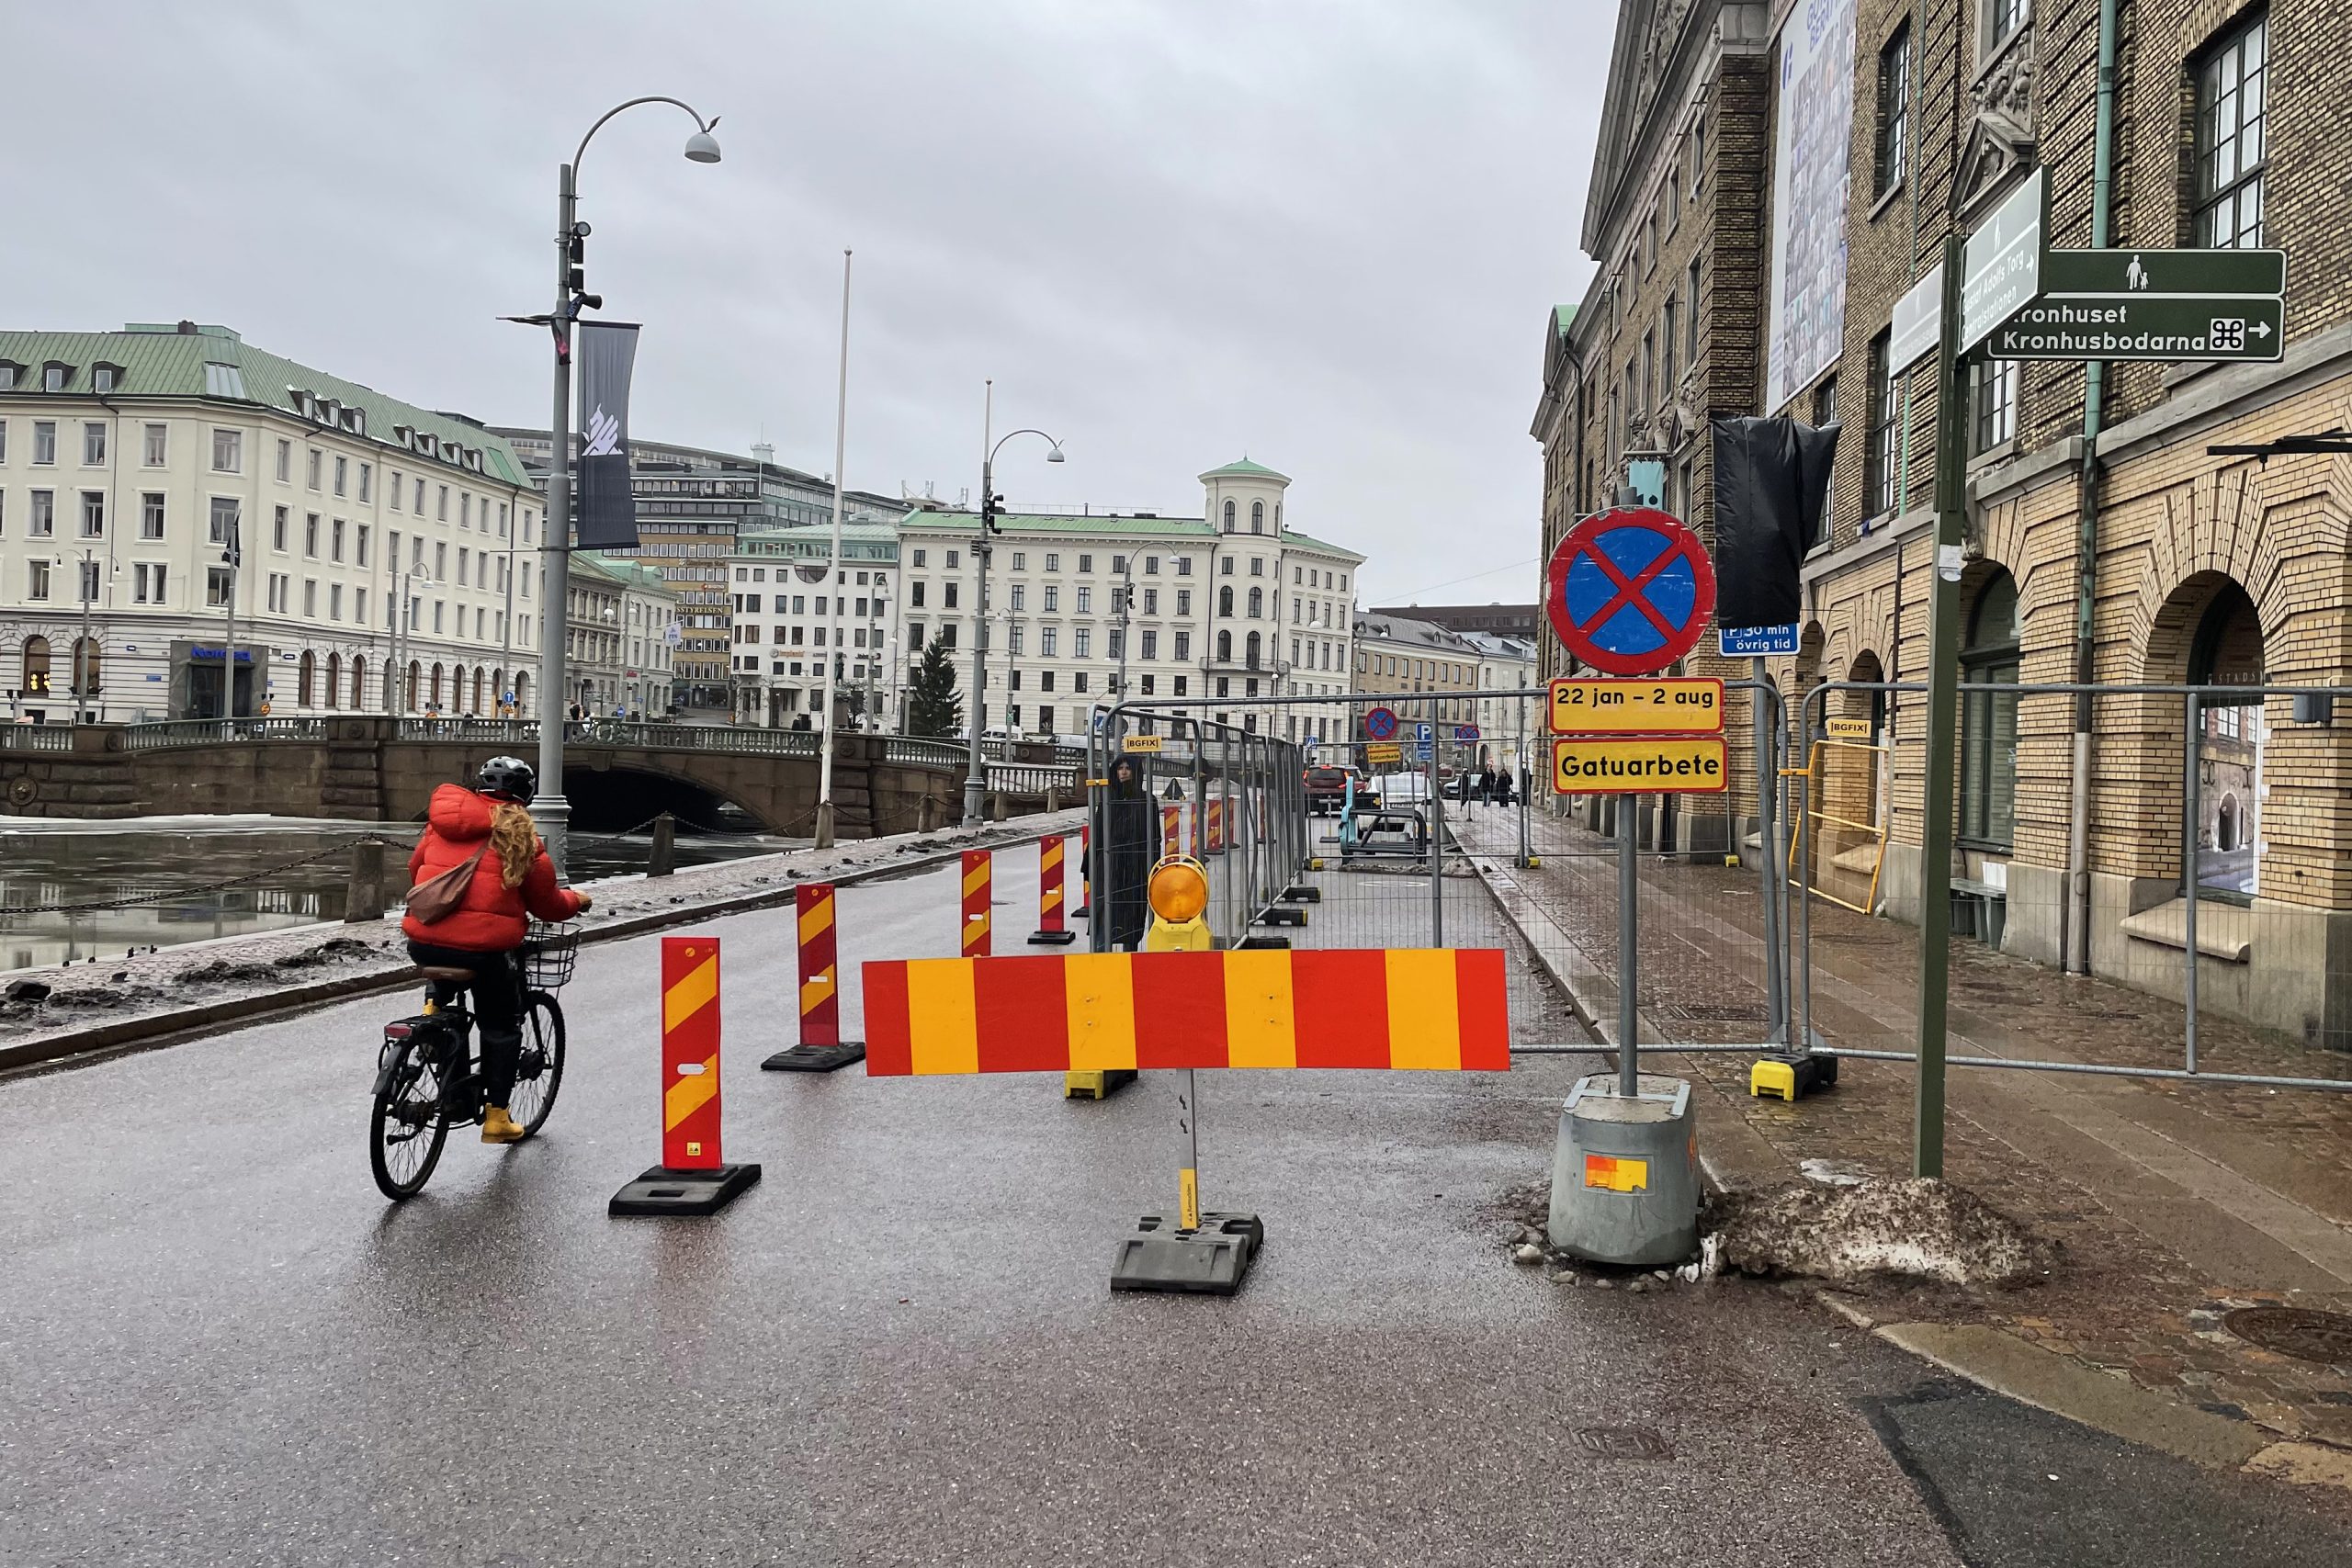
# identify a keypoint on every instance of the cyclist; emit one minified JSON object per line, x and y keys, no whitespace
{"x":488,"y":823}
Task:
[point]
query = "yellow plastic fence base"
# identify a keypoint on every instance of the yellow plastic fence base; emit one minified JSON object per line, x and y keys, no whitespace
{"x":1095,"y":1083}
{"x":1773,"y":1080}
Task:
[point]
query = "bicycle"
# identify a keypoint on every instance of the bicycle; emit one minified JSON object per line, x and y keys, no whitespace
{"x":428,"y":1072}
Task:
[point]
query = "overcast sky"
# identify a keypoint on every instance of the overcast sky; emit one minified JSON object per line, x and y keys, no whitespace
{"x":1325,"y":234}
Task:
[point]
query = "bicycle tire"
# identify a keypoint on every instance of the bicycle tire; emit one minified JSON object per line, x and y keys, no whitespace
{"x":405,"y":1074}
{"x":543,"y":1036}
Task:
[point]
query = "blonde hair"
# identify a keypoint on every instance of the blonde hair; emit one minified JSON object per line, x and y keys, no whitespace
{"x":516,"y":839}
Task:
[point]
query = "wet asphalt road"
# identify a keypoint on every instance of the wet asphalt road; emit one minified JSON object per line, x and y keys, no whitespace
{"x":218,"y":1345}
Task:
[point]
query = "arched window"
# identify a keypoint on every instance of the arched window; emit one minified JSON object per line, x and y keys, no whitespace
{"x":1228,"y":517}
{"x":1225,"y":648}
{"x":498,"y":692}
{"x":358,"y":683}
{"x":334,"y":679}
{"x":89,"y":682}
{"x":476,"y":707}
{"x":1988,"y":718}
{"x":1225,"y":600}
{"x":1257,"y":602}
{"x":1256,"y":517}
{"x":522,"y":690}
{"x":36,"y":666}
{"x":304,"y":673}
{"x":435,"y":700}
{"x":1252,"y":646}
{"x":2226,"y":651}
{"x":416,"y":684}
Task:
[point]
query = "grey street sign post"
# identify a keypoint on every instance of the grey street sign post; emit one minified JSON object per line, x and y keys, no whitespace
{"x":2152,"y":305}
{"x":2000,"y":268}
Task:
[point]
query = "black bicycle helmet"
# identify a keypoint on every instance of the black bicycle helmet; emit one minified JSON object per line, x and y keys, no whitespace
{"x":508,"y":778}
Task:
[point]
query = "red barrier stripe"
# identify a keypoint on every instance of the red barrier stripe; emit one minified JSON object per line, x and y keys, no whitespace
{"x":1482,"y":991}
{"x":1021,"y":1015}
{"x":1180,"y":1010}
{"x":889,"y":1043}
{"x":1341,"y":1007}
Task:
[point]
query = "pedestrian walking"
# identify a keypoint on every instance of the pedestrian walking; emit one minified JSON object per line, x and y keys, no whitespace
{"x":1486,"y":785}
{"x":1131,"y":828}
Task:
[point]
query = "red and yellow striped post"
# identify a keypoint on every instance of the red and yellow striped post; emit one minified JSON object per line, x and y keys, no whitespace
{"x":689,"y":1052}
{"x":1216,"y":825}
{"x":691,"y":1178}
{"x":976,"y":904}
{"x":1171,"y":829}
{"x":1085,"y":873}
{"x":1050,"y":930}
{"x":821,"y":1049}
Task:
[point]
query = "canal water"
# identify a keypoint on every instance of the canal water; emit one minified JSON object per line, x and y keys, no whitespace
{"x":163,"y":875}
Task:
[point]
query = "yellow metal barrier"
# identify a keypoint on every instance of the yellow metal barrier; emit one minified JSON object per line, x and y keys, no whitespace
{"x":1815,"y":817}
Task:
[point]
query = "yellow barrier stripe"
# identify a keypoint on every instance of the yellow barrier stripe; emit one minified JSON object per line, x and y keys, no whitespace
{"x":813,"y":923}
{"x":1051,"y":857}
{"x":1260,"y":1024}
{"x":943,"y":1020}
{"x":1053,"y":898}
{"x":691,"y":995}
{"x":689,"y":1093}
{"x":1424,"y":1022}
{"x":976,"y":879}
{"x":1099,"y":1000}
{"x":813,"y":993}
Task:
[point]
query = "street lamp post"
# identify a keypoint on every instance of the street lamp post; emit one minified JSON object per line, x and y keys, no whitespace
{"x":976,"y":778}
{"x":411,"y":578}
{"x":555,"y":542}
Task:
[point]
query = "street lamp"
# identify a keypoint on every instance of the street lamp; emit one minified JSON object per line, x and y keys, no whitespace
{"x":409,"y":581}
{"x":976,"y":779}
{"x":551,"y":809}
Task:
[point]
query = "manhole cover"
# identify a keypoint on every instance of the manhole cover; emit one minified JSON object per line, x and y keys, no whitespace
{"x":1622,"y":1442}
{"x":2300,"y":1332}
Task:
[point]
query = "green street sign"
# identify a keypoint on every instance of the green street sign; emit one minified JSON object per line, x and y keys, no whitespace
{"x":2144,"y":326}
{"x":2001,"y":265}
{"x":2144,"y":274}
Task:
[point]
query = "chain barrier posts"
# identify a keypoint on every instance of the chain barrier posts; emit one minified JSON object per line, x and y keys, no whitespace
{"x":2225,"y":789}
{"x":693,"y":1177}
{"x":822,"y":1048}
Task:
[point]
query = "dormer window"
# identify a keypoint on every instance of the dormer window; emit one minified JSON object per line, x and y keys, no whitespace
{"x":55,"y":375}
{"x":105,"y":377}
{"x":356,"y":421}
{"x":9,"y":372}
{"x":403,"y":435}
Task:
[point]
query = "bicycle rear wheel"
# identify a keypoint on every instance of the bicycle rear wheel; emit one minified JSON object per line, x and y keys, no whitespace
{"x":539,"y":1067}
{"x":407,"y":1128}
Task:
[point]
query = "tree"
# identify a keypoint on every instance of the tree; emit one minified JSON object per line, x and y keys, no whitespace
{"x":933,"y":707}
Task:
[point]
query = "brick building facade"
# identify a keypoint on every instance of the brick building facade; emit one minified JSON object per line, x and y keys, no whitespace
{"x":1750,"y":260}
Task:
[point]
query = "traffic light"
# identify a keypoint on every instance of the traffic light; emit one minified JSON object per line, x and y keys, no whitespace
{"x":575,"y":271}
{"x":990,"y":505}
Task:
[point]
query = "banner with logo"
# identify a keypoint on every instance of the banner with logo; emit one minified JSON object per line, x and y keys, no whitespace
{"x":605,"y":509}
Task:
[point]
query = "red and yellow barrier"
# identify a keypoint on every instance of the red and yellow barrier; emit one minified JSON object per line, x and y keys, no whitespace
{"x":689,"y":1052}
{"x":1216,"y":814}
{"x":1442,"y":1008}
{"x":820,"y":1013}
{"x":1085,"y":873}
{"x":1051,"y":932}
{"x":976,"y":904}
{"x":1171,"y":829}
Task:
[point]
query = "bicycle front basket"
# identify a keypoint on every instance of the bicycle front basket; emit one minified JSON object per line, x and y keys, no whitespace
{"x":549,"y":955}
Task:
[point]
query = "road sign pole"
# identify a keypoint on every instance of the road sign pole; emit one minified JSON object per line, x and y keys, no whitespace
{"x":1437,"y":839}
{"x":1776,"y":1005}
{"x":1942,"y":715}
{"x":1629,"y":874}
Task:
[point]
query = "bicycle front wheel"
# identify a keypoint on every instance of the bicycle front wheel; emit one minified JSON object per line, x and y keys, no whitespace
{"x":539,"y":1067}
{"x":407,"y":1127}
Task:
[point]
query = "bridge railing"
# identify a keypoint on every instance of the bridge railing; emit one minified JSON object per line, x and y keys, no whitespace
{"x":515,"y":731}
{"x":167,"y":733}
{"x":35,"y":738}
{"x":916,"y":751}
{"x":1031,"y":778}
{"x":742,"y":738}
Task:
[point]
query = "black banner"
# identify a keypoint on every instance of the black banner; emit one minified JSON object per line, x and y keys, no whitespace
{"x":606,"y":508}
{"x":1772,"y":492}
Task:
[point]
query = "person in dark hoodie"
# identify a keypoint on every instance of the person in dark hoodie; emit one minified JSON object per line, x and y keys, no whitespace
{"x":491,"y":824}
{"x":1132,"y":828}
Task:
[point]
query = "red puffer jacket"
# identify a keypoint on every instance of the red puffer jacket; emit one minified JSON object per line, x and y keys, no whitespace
{"x":491,"y":918}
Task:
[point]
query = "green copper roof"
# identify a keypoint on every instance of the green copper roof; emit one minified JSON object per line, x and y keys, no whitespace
{"x":1293,"y":536}
{"x":924,"y":522}
{"x":164,"y":363}
{"x":1565,"y":317}
{"x":633,"y":574}
{"x":1245,"y":469}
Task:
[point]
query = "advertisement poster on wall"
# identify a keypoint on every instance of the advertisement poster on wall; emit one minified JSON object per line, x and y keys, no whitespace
{"x":1810,"y":179}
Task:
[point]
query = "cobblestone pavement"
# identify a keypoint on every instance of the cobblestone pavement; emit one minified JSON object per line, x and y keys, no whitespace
{"x":2173,"y":1202}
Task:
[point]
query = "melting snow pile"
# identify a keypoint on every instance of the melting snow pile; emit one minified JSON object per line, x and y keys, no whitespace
{"x":1920,"y":1229}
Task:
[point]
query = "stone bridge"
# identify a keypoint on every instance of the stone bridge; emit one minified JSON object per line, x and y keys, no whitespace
{"x":379,"y":768}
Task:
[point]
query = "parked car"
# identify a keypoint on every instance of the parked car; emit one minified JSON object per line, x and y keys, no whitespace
{"x":1402,"y":789}
{"x":1327,"y":788}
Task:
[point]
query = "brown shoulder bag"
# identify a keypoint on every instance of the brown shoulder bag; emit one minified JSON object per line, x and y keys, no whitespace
{"x":436,"y":898}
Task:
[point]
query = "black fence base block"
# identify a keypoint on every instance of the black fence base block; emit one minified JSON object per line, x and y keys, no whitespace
{"x":1212,"y":1260}
{"x":1052,"y":939}
{"x":814,"y":1058}
{"x":1790,"y":1075}
{"x":1302,"y":893}
{"x":662,"y":1190}
{"x":1253,"y":941}
{"x":1277,"y":915}
{"x":1095,"y":1083}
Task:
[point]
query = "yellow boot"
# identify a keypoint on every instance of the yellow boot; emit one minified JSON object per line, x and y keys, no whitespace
{"x":497,"y":1127}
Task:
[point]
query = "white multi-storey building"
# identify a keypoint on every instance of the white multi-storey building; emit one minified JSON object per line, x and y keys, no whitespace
{"x":782,"y":631}
{"x":1234,"y":604}
{"x":151,"y":479}
{"x":1508,"y":726}
{"x":622,"y":633}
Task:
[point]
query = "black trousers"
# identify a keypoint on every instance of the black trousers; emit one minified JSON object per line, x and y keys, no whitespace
{"x":497,"y":1007}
